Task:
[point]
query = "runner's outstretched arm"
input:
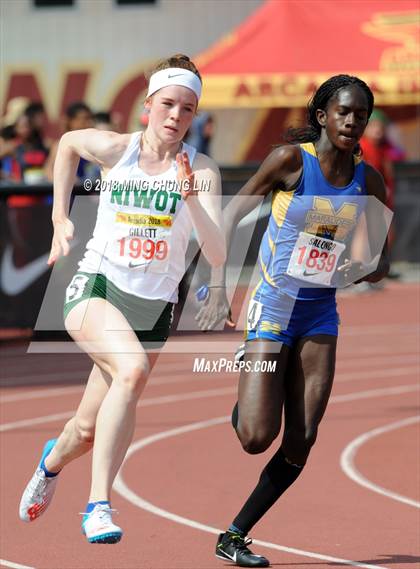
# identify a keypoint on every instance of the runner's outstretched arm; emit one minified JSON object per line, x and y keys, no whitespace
{"x":102,"y":148}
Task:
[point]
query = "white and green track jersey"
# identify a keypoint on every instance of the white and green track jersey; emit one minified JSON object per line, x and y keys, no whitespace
{"x":142,"y":228}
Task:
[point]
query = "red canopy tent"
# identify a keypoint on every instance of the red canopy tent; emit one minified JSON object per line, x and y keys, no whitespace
{"x":287,"y":47}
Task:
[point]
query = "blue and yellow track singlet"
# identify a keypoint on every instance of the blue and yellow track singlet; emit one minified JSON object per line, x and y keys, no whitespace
{"x":315,"y":208}
{"x":303,"y":245}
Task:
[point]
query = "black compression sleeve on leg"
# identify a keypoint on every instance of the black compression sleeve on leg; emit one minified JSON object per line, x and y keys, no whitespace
{"x":276,"y":477}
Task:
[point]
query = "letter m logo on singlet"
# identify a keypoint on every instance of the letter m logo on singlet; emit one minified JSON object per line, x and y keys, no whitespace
{"x":325,"y":221}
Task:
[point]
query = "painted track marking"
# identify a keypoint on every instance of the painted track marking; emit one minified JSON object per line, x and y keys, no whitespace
{"x":122,"y":489}
{"x":40,"y":394}
{"x":165,"y":399}
{"x":360,"y":375}
{"x":340,"y":377}
{"x":349,"y":453}
{"x":380,"y":392}
{"x":150,"y":401}
{"x":185,"y":346}
{"x":197,"y":525}
{"x":14,"y":565}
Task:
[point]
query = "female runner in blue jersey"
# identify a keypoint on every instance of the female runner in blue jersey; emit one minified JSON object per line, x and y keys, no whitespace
{"x":319,"y":186}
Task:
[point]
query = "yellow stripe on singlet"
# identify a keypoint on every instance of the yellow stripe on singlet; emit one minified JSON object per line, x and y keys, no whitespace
{"x":265,"y":273}
{"x":254,"y":292}
{"x":309,"y":147}
{"x":280,"y":204}
{"x":271,"y":244}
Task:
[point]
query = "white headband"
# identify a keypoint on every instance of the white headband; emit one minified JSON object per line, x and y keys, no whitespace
{"x":174,"y":76}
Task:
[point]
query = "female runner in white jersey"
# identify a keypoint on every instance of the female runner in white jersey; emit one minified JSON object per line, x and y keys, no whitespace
{"x":123,"y":293}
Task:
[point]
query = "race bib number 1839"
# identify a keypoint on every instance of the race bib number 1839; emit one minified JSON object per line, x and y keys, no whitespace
{"x":314,"y":259}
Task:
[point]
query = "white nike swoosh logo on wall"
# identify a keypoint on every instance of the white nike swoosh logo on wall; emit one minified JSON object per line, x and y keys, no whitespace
{"x":14,"y":280}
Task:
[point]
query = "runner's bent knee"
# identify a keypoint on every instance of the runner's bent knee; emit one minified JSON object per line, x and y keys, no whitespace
{"x":84,"y":429}
{"x":257,"y":440}
{"x":132,"y":376}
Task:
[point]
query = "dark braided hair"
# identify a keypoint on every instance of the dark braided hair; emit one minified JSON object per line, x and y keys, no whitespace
{"x":327,"y":91}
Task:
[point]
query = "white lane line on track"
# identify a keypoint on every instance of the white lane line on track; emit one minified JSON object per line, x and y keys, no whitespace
{"x":41,"y":393}
{"x":175,"y":342}
{"x":71,"y":375}
{"x":14,"y":565}
{"x":381,"y":329}
{"x":84,"y":373}
{"x":58,"y":391}
{"x":340,"y":377}
{"x":378,"y":373}
{"x":148,"y":401}
{"x":121,"y":487}
{"x":380,"y":392}
{"x":203,"y":394}
{"x":409,"y":358}
{"x":216,"y":344}
{"x":347,"y":460}
{"x":156,"y":401}
{"x":36,"y":421}
{"x":378,"y":349}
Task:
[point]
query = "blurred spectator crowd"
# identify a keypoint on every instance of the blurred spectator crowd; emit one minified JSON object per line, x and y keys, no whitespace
{"x":27,"y":153}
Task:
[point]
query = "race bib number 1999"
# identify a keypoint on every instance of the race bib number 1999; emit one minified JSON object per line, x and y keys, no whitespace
{"x":146,"y":243}
{"x":314,"y":259}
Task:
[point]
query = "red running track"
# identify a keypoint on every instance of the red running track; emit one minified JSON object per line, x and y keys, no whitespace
{"x":186,"y":475}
